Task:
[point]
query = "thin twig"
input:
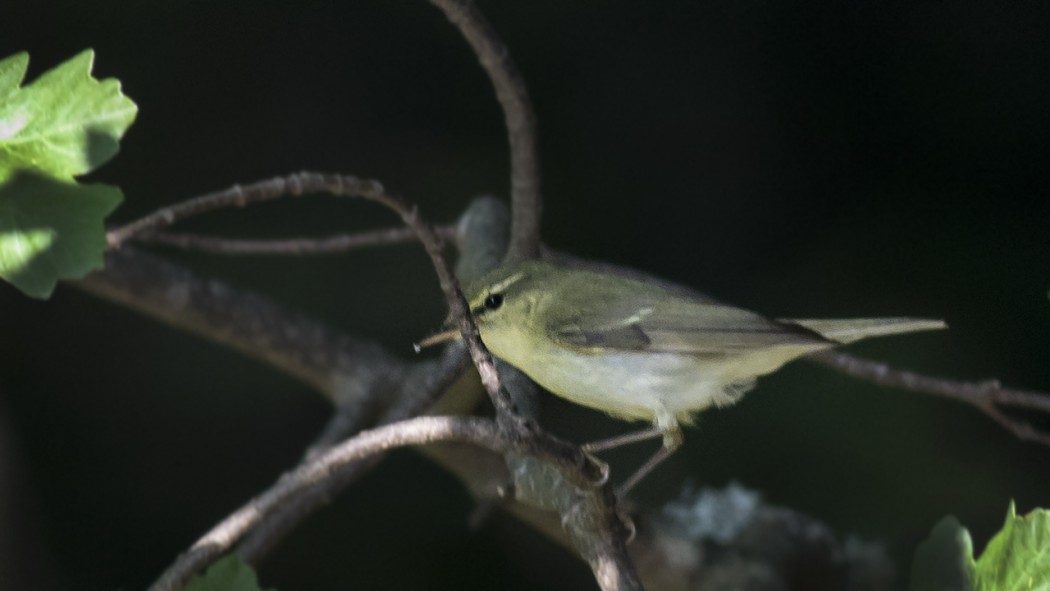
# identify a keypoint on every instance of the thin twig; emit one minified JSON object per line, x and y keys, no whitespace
{"x":235,"y":196}
{"x":330,"y":465}
{"x":457,"y":303}
{"x":987,"y":396}
{"x":337,"y":244}
{"x":346,"y":186}
{"x":519,"y":116}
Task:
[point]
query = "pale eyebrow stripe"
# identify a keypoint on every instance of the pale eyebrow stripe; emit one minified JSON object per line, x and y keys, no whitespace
{"x":509,"y":281}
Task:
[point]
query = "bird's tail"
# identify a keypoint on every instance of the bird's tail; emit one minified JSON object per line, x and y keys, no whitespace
{"x":855,"y":329}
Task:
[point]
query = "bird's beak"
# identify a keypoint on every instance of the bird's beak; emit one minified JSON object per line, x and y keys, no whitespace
{"x":444,"y":336}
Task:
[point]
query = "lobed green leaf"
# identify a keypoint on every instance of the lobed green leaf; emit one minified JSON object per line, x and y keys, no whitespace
{"x":63,"y":124}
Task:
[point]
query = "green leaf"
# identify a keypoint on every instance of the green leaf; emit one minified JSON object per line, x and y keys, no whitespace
{"x":50,"y":230}
{"x":1018,"y":557}
{"x":944,"y":560}
{"x":65,"y":123}
{"x":12,"y":71}
{"x":227,"y":574}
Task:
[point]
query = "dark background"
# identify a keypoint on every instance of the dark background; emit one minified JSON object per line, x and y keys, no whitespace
{"x":796,"y":158}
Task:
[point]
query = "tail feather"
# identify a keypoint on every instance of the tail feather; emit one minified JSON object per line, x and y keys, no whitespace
{"x":855,"y":329}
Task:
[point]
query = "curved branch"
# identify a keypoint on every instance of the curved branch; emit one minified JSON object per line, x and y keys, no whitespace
{"x":341,"y":186}
{"x":420,"y":389}
{"x":520,"y":119}
{"x":330,"y":465}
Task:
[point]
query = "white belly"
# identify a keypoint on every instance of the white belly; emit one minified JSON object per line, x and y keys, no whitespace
{"x":662,"y":388}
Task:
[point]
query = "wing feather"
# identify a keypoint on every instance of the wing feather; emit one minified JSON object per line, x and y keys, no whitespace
{"x":649,"y":319}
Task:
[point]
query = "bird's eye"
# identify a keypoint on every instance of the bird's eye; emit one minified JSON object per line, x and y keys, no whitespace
{"x":494,"y":301}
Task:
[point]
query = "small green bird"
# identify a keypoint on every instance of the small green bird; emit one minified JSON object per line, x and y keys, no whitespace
{"x":640,"y":351}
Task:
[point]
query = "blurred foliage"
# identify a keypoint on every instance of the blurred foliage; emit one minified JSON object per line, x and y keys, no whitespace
{"x":226,"y":574}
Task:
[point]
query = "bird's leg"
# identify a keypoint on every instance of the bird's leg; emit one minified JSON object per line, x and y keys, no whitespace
{"x":665,"y":425}
{"x":625,"y":439}
{"x":672,"y":440}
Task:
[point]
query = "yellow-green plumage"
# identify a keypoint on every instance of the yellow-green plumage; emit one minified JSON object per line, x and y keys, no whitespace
{"x":636,"y":350}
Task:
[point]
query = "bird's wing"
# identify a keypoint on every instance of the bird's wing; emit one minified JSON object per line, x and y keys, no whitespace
{"x":671,"y":324}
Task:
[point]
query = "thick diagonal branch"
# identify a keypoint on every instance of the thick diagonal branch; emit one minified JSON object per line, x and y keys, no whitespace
{"x":338,"y":365}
